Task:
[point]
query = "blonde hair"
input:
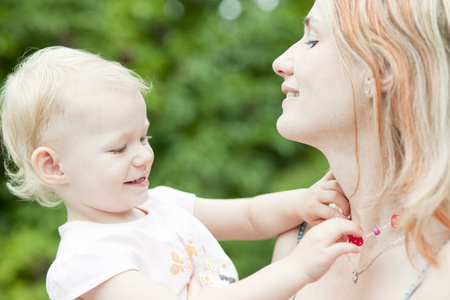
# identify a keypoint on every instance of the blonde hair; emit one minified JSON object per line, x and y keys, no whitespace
{"x":31,"y":97}
{"x":409,"y":39}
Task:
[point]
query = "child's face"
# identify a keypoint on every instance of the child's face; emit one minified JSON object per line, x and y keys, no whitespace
{"x":105,"y":154}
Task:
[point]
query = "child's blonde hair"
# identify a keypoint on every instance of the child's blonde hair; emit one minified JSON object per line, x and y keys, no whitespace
{"x":410,"y":40}
{"x":32,"y":101}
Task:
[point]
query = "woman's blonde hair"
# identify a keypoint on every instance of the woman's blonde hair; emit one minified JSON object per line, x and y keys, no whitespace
{"x":408,"y":40}
{"x":32,"y":96}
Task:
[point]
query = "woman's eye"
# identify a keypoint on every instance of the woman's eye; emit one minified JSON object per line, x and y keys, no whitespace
{"x":119,"y":150}
{"x":312,"y":43}
{"x":312,"y":40}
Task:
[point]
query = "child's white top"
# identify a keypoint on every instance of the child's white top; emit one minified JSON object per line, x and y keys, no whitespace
{"x":169,"y":246}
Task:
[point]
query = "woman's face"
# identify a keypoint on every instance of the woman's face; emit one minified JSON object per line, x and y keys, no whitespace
{"x":319,"y":98}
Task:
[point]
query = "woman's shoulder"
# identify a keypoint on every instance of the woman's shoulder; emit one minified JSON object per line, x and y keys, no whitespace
{"x":435,"y":283}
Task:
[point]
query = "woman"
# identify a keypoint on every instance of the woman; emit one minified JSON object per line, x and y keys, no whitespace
{"x":368,"y":85}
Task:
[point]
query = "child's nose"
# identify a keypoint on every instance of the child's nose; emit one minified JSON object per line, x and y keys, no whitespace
{"x":144,"y":157}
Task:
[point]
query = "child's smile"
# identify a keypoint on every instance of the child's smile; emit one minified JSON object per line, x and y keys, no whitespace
{"x":108,"y":158}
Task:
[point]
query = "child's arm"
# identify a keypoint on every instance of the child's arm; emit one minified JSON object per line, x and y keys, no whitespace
{"x":269,"y":215}
{"x":319,"y":248}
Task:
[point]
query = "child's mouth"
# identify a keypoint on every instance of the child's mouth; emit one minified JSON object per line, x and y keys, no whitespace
{"x":140,"y":180}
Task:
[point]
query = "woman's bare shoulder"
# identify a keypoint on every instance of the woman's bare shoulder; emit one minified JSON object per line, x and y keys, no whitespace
{"x":435,"y":283}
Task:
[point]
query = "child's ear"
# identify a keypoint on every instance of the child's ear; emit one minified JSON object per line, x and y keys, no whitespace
{"x":46,"y":165}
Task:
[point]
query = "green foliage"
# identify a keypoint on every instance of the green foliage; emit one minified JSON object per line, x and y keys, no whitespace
{"x":213,"y":108}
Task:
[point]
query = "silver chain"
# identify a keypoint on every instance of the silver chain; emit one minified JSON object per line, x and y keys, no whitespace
{"x":357,"y":273}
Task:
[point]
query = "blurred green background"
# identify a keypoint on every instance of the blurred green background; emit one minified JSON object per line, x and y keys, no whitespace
{"x":213,"y":107}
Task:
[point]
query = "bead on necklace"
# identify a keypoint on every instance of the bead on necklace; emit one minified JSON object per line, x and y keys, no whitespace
{"x":357,"y":273}
{"x":359,"y":241}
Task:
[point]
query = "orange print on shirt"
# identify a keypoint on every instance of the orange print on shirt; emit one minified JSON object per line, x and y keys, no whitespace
{"x":177,"y":265}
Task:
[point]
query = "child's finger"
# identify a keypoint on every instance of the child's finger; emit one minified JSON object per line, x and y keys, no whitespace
{"x":332,"y":197}
{"x":336,"y":228}
{"x":333,"y":185}
{"x":340,"y":249}
{"x":343,"y":204}
{"x":329,"y":176}
{"x":326,"y":212}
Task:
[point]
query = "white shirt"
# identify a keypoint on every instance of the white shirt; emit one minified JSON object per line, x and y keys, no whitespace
{"x":169,"y":246}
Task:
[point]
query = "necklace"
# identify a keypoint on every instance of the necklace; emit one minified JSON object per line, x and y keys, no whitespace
{"x":357,"y":273}
{"x":359,"y":241}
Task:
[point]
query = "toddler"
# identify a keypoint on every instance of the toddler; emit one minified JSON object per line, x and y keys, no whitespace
{"x":75,"y":129}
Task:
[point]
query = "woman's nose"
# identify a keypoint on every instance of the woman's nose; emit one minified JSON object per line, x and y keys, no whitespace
{"x":284,"y":64}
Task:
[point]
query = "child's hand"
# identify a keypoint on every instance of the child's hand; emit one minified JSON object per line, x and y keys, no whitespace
{"x":194,"y":287}
{"x":316,"y":207}
{"x":322,"y":245}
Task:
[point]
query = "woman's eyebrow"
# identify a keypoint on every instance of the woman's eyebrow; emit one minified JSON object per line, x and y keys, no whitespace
{"x":311,"y":22}
{"x":306,"y":21}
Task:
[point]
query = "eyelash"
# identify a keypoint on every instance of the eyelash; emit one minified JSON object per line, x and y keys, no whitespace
{"x":120,"y":150}
{"x":124,"y":147}
{"x":312,"y":43}
{"x":145,"y":139}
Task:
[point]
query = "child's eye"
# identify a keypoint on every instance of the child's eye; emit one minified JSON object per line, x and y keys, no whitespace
{"x":145,"y":139}
{"x":119,"y":150}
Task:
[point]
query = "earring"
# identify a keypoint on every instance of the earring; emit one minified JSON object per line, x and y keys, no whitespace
{"x":368,"y":90}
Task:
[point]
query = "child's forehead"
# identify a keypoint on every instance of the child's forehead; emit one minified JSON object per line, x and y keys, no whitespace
{"x":96,"y":93}
{"x":99,"y":110}
{"x":94,"y":96}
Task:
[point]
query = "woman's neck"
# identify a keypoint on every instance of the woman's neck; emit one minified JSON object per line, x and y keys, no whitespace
{"x":358,"y":180}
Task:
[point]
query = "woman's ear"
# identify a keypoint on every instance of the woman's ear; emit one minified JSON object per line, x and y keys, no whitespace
{"x":387,"y":81}
{"x":46,"y":165}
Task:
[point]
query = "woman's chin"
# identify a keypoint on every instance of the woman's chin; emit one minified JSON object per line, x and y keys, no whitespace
{"x":287,"y":130}
{"x":295,"y":132}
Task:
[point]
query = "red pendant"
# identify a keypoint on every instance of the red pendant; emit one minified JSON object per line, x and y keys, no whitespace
{"x":358,"y":241}
{"x":395,"y":221}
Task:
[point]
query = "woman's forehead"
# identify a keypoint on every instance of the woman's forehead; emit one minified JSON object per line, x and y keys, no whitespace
{"x":315,"y":17}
